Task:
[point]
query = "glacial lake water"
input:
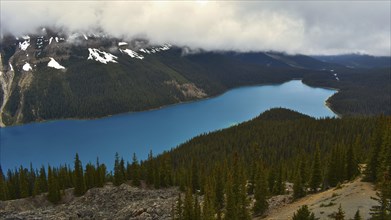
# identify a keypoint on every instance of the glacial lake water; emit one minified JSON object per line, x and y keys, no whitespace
{"x":56,"y":142}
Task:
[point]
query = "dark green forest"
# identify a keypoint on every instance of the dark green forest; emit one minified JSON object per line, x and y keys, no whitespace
{"x":228,"y":167}
{"x":87,"y":89}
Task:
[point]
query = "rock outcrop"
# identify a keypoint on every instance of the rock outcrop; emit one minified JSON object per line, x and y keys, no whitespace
{"x":109,"y":202}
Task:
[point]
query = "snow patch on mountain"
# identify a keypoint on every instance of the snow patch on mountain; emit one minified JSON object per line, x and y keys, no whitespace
{"x":24,"y":45}
{"x":85,"y":36}
{"x":12,"y":68}
{"x":132,"y":53}
{"x":27,"y":67}
{"x":53,"y":63}
{"x":101,"y":56}
{"x":122,"y":44}
{"x":155,"y":49}
{"x":56,"y":39}
{"x":50,"y":40}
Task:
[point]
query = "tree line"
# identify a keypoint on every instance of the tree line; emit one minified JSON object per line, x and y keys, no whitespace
{"x":234,"y":171}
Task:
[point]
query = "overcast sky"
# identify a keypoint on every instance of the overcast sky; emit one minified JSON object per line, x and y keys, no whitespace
{"x":318,"y":27}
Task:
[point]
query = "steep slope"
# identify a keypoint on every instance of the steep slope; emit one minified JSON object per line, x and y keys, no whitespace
{"x":54,"y":75}
{"x":352,"y":196}
{"x":357,"y":60}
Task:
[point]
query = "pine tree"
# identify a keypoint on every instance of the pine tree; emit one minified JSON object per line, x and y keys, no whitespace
{"x":381,"y":211}
{"x":188,"y":209}
{"x":340,"y":215}
{"x":279,"y":185}
{"x":219,"y":189}
{"x":332,"y":168}
{"x":357,"y":216}
{"x":208,"y":211}
{"x":298,"y":189}
{"x":351,"y":164}
{"x":89,"y":176}
{"x":303,"y":214}
{"x":119,"y":169}
{"x":373,"y":165}
{"x":79,"y":189}
{"x":100,"y":175}
{"x":194,"y":176}
{"x":3,"y":186}
{"x":316,"y":175}
{"x":136,"y":171}
{"x":150,"y":168}
{"x":303,"y":171}
{"x":23,"y":183}
{"x":54,"y":194}
{"x":231,"y":209}
{"x":43,"y":180}
{"x":260,"y":192}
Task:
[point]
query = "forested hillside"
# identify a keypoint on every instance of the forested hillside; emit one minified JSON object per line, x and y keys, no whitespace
{"x":99,"y":76}
{"x":253,"y":159}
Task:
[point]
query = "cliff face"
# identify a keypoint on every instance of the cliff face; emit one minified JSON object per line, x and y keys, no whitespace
{"x":109,"y":202}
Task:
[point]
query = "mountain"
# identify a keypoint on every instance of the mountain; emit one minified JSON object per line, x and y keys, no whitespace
{"x":357,"y":60}
{"x":54,"y":74}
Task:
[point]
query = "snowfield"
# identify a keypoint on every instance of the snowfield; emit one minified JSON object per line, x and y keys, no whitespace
{"x":53,"y":63}
{"x":27,"y":67}
{"x":101,"y":56}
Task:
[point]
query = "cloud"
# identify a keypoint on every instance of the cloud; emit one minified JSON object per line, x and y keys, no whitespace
{"x":295,"y":27}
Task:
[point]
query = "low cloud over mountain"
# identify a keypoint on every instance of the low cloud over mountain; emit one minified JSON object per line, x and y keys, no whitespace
{"x":294,"y":27}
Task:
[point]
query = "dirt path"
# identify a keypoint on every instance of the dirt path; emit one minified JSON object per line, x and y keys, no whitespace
{"x":352,"y":196}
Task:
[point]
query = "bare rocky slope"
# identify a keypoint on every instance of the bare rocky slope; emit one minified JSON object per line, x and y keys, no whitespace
{"x":126,"y":202}
{"x":109,"y":202}
{"x":352,"y":196}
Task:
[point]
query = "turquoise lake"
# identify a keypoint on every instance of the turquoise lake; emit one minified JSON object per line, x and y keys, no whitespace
{"x":56,"y":142}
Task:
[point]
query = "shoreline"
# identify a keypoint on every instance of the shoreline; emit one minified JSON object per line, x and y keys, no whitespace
{"x":177,"y":103}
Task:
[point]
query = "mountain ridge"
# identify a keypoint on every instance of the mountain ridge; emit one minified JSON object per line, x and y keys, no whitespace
{"x":95,"y":75}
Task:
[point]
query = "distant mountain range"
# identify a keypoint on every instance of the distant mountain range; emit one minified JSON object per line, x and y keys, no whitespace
{"x":53,"y":75}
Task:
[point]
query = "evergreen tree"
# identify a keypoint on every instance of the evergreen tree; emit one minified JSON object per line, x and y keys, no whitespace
{"x":316,"y":175}
{"x":340,"y":215}
{"x":373,"y":165}
{"x":150,"y":168}
{"x":23,"y":183}
{"x":100,"y":175}
{"x":382,"y":211}
{"x":195,"y":182}
{"x":79,"y":189}
{"x":303,"y":214}
{"x":333,"y":168}
{"x":3,"y":186}
{"x":219,"y":189}
{"x":136,"y":171}
{"x":351,"y":164}
{"x":54,"y":194}
{"x":208,"y":211}
{"x":303,"y":171}
{"x":43,"y":180}
{"x":231,"y":209}
{"x":279,"y":184}
{"x":188,"y":209}
{"x":260,"y":192}
{"x":89,"y":176}
{"x":298,"y":189}
{"x":119,"y":169}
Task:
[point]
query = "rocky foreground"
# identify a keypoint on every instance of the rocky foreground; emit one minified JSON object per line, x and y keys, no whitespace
{"x":109,"y":202}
